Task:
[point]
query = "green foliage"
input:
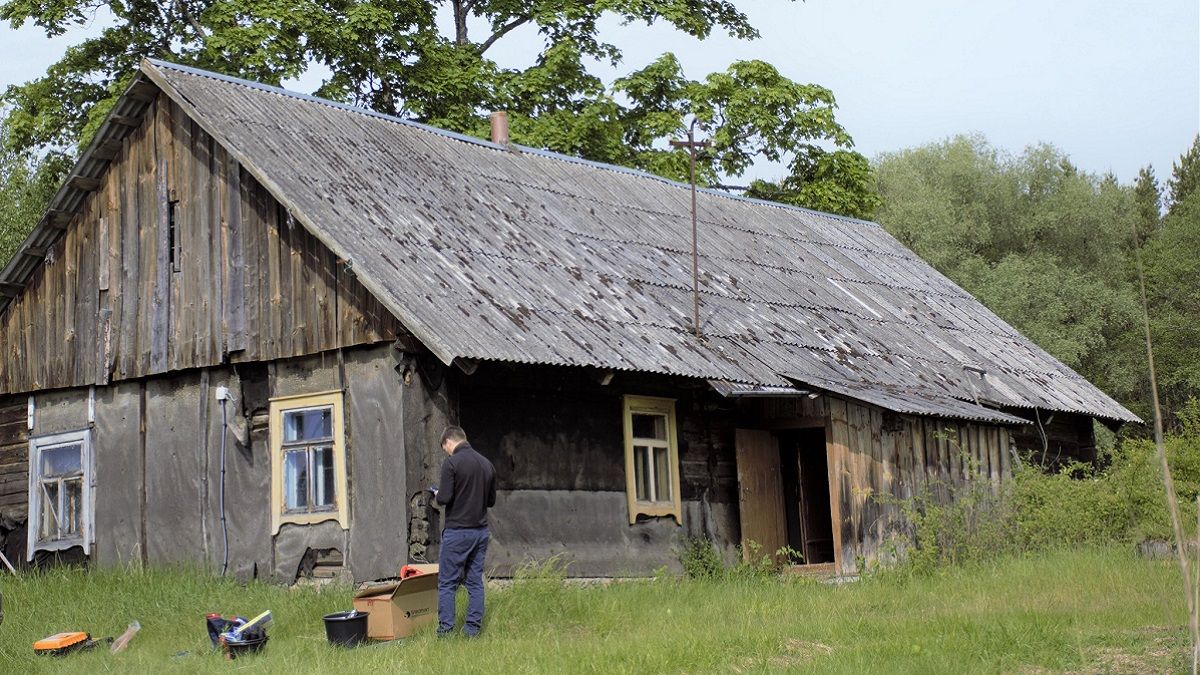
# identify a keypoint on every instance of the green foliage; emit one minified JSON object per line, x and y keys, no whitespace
{"x":1122,"y":503}
{"x":1148,"y":201}
{"x":954,"y":524}
{"x":1070,"y":507}
{"x":825,"y":181}
{"x":26,"y":185}
{"x":700,"y":559}
{"x":1185,"y":177}
{"x":391,"y":56}
{"x":1172,"y":264}
{"x":1045,"y":246}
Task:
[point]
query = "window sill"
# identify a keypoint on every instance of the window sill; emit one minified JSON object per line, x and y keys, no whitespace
{"x":60,"y":544}
{"x":311,"y":519}
{"x":646,"y":510}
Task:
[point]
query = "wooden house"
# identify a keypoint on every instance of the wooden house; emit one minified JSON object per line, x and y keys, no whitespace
{"x":238,"y":332}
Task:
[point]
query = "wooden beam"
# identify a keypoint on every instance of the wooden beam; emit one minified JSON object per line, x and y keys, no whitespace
{"x":34,"y":252}
{"x":124,"y":120}
{"x":57,"y":220}
{"x":107,"y":149}
{"x":10,"y":290}
{"x":85,"y":183}
{"x":468,"y":366}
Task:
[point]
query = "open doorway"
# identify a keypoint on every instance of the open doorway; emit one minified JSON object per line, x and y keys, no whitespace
{"x":804,"y":469}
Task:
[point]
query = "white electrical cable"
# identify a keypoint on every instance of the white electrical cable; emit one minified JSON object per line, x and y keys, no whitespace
{"x":224,"y":528}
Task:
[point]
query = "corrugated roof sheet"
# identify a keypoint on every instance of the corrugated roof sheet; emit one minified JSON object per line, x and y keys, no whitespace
{"x":515,"y":254}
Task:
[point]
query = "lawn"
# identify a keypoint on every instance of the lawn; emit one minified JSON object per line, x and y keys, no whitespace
{"x":1082,"y":611}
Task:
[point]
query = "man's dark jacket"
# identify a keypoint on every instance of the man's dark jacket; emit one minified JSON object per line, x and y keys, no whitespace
{"x":467,"y":488}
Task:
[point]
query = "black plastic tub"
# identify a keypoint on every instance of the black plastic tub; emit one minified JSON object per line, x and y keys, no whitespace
{"x":346,"y":629}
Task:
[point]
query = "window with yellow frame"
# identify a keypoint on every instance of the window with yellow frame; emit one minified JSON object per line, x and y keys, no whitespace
{"x":651,"y":458}
{"x":308,"y":460}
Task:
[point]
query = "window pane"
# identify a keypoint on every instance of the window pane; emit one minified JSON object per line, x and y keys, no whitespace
{"x":48,"y":528}
{"x":295,"y":480}
{"x":649,"y":426}
{"x":662,"y":475}
{"x":323,"y":486}
{"x":72,"y":508}
{"x":306,"y":425}
{"x":61,"y":461}
{"x":641,"y":471}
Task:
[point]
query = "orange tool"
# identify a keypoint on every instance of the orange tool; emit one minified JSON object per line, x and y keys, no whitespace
{"x":63,"y":643}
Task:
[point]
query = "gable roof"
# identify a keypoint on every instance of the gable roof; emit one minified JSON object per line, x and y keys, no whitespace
{"x":515,"y":254}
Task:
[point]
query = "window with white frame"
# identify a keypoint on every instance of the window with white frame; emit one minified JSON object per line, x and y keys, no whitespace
{"x":651,"y":458}
{"x":60,"y":492}
{"x":308,"y":460}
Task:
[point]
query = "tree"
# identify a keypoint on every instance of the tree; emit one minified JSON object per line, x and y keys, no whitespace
{"x":26,"y":185}
{"x":1148,"y":202}
{"x":1041,"y":243}
{"x":392,"y":56}
{"x":1185,"y":176}
{"x":1173,"y":295}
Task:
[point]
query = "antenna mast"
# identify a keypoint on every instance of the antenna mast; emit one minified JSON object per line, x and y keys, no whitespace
{"x":692,"y":146}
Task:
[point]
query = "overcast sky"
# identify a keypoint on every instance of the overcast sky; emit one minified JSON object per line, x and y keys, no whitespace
{"x":1116,"y":85}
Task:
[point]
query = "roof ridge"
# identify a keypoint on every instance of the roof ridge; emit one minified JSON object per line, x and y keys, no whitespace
{"x":474,"y":140}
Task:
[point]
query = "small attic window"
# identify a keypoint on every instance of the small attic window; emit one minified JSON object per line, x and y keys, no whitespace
{"x":173,"y":235}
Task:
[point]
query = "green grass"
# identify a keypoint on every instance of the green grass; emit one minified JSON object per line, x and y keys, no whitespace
{"x":1100,"y":610}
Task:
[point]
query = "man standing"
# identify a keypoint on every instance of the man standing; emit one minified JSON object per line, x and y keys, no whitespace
{"x":467,"y":489}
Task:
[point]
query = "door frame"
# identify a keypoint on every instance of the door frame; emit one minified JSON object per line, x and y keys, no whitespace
{"x":831,"y":457}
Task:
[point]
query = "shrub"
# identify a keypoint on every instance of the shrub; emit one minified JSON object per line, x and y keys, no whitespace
{"x":1073,"y":506}
{"x":700,"y":559}
{"x":952,"y":524}
{"x":1078,"y":505}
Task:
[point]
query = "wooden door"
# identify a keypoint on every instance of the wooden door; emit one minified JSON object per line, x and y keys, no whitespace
{"x":760,"y":492}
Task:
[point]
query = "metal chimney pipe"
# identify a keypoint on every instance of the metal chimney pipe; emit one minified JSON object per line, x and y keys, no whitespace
{"x":500,"y":127}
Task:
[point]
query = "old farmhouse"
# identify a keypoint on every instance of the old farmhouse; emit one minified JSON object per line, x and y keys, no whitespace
{"x":236,"y":335}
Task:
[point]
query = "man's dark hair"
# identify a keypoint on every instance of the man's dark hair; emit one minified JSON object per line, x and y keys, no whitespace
{"x":455,"y":435}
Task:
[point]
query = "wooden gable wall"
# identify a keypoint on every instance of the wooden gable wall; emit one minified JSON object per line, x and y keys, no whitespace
{"x":249,"y":283}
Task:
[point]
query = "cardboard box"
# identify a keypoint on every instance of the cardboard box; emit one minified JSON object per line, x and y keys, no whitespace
{"x":395,"y":609}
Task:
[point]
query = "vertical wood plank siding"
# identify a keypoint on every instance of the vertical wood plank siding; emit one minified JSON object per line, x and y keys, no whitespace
{"x":251,"y":284}
{"x":878,"y":459}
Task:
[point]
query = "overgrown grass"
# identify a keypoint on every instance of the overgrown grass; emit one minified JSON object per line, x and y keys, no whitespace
{"x":1094,"y":609}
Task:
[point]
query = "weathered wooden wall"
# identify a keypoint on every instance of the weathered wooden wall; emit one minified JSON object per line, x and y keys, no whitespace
{"x":14,"y":476}
{"x":878,"y":459}
{"x":555,"y":436}
{"x":157,"y":465}
{"x":251,"y":284}
{"x":1054,"y":439}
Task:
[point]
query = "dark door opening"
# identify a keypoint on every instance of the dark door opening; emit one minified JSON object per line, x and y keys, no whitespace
{"x":805,"y":472}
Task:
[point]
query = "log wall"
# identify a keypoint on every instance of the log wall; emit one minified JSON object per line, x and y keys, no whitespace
{"x":117,"y":299}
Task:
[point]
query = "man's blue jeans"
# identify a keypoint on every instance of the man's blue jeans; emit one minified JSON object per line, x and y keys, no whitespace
{"x":460,"y":561}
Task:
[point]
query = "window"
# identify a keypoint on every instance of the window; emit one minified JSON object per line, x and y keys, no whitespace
{"x":60,"y":492}
{"x":651,"y":458}
{"x":308,"y":460}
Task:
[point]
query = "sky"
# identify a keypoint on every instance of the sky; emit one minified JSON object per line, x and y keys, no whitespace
{"x":1115,"y":85}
